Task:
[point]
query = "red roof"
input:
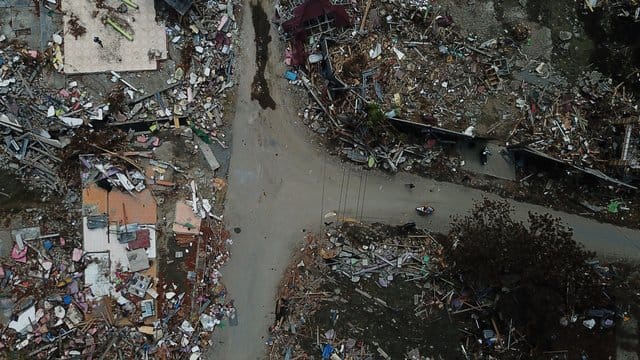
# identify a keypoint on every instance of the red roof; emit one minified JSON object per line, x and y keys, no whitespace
{"x":313,"y":9}
{"x":310,"y":10}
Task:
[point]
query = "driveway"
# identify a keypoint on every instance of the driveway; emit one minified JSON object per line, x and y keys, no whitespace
{"x":281,"y":183}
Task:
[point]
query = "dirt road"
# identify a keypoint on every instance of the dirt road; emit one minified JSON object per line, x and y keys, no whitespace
{"x":281,"y":183}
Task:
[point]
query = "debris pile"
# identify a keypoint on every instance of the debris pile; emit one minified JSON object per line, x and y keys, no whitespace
{"x":138,"y":275}
{"x":107,"y":293}
{"x":350,"y":264}
{"x":196,"y":87}
{"x":36,"y":122}
{"x":399,"y":275}
{"x":404,"y":65}
{"x":623,"y":9}
{"x":50,"y":310}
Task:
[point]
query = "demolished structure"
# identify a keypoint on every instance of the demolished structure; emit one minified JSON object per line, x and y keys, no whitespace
{"x":120,"y":150}
{"x":365,"y":291}
{"x":110,"y":293}
{"x":406,"y":65}
{"x":43,"y":106}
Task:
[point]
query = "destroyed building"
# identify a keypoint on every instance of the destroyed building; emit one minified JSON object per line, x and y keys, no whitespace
{"x":362,"y":291}
{"x":408,"y":64}
{"x":98,"y":104}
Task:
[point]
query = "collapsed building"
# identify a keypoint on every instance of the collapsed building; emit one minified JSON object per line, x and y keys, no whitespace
{"x":406,"y":64}
{"x":98,"y":104}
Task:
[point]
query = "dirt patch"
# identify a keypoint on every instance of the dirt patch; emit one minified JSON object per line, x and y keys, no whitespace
{"x":15,"y":195}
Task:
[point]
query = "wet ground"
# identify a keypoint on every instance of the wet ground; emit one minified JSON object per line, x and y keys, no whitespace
{"x":600,"y":41}
{"x":617,"y":46}
{"x":570,"y":57}
{"x":14,"y":195}
{"x":260,"y":87}
{"x":397,"y":330}
{"x":440,"y":331}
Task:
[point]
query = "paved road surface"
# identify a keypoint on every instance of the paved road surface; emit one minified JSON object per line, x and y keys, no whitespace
{"x":276,"y":184}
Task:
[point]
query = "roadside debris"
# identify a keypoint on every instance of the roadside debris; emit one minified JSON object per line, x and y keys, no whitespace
{"x":397,"y":91}
{"x":136,"y":273}
{"x":68,"y":297}
{"x":37,"y":121}
{"x":56,"y":313}
{"x":411,"y":67}
{"x":399,"y":275}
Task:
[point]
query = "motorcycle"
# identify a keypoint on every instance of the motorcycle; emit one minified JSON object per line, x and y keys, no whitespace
{"x":425,"y":210}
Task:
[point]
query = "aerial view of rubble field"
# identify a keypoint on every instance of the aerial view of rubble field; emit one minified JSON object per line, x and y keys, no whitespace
{"x":320,"y":179}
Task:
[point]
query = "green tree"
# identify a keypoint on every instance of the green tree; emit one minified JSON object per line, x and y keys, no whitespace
{"x":375,"y":116}
{"x":540,"y":270}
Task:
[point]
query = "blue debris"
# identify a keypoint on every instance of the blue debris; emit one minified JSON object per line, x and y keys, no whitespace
{"x":327,"y":350}
{"x":290,"y":75}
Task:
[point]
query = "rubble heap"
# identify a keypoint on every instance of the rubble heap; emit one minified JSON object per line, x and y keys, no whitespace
{"x":138,"y":276}
{"x":404,"y":65}
{"x":49,"y":310}
{"x":38,"y":121}
{"x":197,"y":84}
{"x":399,"y":275}
{"x":106,"y":294}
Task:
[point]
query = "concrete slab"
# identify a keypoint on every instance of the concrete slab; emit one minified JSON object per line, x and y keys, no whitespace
{"x":97,"y":274}
{"x":105,"y":240}
{"x":138,"y":260}
{"x":83,"y":55}
{"x":25,"y":26}
{"x":208,"y":154}
{"x":497,"y":165}
{"x":186,"y":222}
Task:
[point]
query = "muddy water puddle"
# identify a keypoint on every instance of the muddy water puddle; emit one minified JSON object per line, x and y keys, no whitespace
{"x":599,"y":41}
{"x":259,"y":87}
{"x":15,"y":195}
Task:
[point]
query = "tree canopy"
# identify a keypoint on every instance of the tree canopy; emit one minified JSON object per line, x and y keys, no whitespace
{"x":538,"y":263}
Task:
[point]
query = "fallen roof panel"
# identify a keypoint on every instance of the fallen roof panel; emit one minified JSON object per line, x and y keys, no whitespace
{"x":181,"y":6}
{"x":597,"y":173}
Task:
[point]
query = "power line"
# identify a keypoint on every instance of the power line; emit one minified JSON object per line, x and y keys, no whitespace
{"x":341,"y":190}
{"x":346,"y":192}
{"x":364,"y":192}
{"x":324,"y":179}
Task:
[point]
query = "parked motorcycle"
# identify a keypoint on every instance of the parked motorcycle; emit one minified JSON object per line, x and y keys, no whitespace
{"x":425,"y":210}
